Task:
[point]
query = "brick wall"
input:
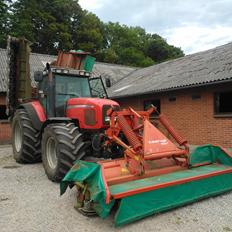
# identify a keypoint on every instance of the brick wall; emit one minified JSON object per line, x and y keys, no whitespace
{"x":194,"y":119}
{"x":2,"y":99}
{"x":5,"y":132}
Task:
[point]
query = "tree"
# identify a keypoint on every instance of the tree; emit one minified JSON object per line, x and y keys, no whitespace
{"x":53,"y":25}
{"x":109,"y":56}
{"x":88,"y":33}
{"x":159,"y":50}
{"x":48,"y":24}
{"x":124,"y":45}
{"x":133,"y":57}
{"x":4,"y":22}
{"x":133,"y":46}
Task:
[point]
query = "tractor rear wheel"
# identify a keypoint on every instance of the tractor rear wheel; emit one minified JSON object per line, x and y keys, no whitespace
{"x":25,"y":139}
{"x":62,"y":145}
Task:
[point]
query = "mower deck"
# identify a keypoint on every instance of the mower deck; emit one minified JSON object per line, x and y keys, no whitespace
{"x":164,"y":185}
{"x":173,"y":190}
{"x":126,"y":189}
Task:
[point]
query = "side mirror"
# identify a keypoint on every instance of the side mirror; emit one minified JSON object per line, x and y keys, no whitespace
{"x":38,"y":76}
{"x":108,"y":82}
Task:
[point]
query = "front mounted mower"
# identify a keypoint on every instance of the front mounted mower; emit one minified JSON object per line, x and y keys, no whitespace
{"x":155,"y":174}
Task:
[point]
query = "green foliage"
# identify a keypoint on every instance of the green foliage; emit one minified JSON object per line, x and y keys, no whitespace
{"x":124,"y":45}
{"x":159,"y":50}
{"x":46,"y":23}
{"x":109,"y":56}
{"x":4,"y":21}
{"x":53,"y":25}
{"x":133,"y":57}
{"x":133,"y":46}
{"x":89,"y":34}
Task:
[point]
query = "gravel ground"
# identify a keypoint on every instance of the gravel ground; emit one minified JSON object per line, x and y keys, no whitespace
{"x":30,"y":202}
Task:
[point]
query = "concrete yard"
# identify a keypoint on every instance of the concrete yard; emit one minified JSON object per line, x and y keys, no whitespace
{"x":30,"y":202}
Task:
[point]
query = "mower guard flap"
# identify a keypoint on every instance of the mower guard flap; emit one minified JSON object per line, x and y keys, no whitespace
{"x":166,"y":191}
{"x":90,"y":174}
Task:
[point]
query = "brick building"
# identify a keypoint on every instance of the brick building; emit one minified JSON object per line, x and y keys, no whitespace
{"x":38,"y":62}
{"x":195,"y":92}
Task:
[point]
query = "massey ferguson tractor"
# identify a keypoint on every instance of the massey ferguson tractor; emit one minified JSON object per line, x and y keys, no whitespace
{"x":110,"y":154}
{"x":65,"y":119}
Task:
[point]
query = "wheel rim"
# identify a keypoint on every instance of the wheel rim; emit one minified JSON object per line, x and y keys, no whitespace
{"x":51,"y":152}
{"x":18,"y":138}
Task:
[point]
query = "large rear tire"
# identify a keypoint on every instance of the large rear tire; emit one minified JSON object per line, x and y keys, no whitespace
{"x":62,"y":145}
{"x":25,"y":139}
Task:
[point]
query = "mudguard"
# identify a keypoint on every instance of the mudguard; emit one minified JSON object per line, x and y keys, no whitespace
{"x":36,"y":113}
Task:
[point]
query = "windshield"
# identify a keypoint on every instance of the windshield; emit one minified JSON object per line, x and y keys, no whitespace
{"x":73,"y":86}
{"x":97,"y":88}
{"x":70,"y":87}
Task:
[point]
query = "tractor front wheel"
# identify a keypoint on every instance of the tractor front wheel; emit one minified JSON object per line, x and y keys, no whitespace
{"x":25,"y":139}
{"x":62,"y":145}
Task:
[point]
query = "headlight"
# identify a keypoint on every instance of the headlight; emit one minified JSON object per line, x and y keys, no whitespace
{"x":107,"y":119}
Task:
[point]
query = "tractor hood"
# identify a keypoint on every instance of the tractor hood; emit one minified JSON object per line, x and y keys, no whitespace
{"x":87,"y":102}
{"x":91,"y":113}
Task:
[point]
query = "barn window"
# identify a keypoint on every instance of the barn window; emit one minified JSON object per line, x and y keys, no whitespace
{"x":196,"y":96}
{"x":3,"y":115}
{"x":172,"y":99}
{"x":155,"y":102}
{"x":223,"y":103}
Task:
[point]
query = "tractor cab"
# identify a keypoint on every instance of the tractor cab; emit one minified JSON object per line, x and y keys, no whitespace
{"x":57,"y":85}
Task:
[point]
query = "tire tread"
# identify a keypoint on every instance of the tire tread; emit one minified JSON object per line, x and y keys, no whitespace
{"x":71,"y":144}
{"x":31,"y":146}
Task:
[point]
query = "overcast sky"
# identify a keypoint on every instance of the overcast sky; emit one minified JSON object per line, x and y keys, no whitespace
{"x":193,"y":25}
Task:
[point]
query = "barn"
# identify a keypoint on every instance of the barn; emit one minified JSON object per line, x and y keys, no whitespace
{"x":194,"y":91}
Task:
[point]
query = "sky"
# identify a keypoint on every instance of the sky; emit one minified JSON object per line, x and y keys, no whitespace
{"x":193,"y":25}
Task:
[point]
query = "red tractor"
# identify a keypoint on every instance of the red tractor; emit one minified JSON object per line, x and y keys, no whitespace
{"x":70,"y":118}
{"x":64,"y":124}
{"x":66,"y":119}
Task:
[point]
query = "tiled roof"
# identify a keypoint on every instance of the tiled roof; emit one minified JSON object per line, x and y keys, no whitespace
{"x":3,"y":70}
{"x":113,"y":71}
{"x":211,"y":66}
{"x":38,"y":62}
